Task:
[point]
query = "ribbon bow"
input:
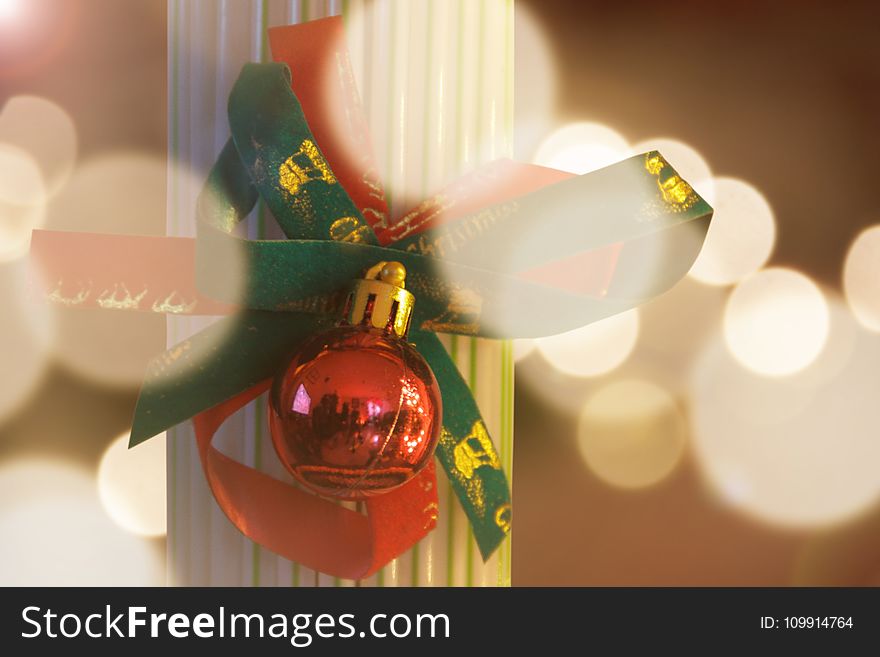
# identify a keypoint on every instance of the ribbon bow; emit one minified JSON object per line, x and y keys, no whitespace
{"x":511,"y":251}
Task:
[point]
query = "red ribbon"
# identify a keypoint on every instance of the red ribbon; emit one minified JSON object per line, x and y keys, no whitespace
{"x":326,"y":536}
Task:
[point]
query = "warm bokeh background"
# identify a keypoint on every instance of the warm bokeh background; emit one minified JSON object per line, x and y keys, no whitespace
{"x":724,"y":434}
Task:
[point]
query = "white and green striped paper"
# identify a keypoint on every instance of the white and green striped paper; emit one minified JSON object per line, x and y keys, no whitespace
{"x":436,"y":80}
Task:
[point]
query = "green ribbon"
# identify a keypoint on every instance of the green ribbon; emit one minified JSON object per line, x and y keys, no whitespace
{"x":465,"y":274}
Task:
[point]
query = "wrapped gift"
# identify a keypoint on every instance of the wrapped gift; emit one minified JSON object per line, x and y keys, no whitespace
{"x":436,"y":86}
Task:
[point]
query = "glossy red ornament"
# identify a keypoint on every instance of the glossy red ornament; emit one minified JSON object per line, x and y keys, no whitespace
{"x":357,"y":411}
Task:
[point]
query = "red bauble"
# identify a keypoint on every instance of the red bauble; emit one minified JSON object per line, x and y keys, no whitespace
{"x":357,"y":411}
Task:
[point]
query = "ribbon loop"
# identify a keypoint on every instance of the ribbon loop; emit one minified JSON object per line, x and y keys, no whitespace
{"x":306,"y":528}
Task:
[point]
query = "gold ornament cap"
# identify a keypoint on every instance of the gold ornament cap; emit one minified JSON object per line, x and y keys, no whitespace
{"x":380,"y":300}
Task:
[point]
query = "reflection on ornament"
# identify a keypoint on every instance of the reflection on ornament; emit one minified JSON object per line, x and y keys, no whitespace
{"x":357,"y":410}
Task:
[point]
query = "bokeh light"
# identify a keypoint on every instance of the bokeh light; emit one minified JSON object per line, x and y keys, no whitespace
{"x":581,"y":148}
{"x":631,"y":433}
{"x":22,"y":201}
{"x":536,"y":85}
{"x":594,"y":349}
{"x":131,"y":484}
{"x":55,"y":532}
{"x":26,"y":333}
{"x":776,"y":322}
{"x":121,"y":193}
{"x":741,"y":235}
{"x":674,"y":327}
{"x":685,"y":160}
{"x":798,"y":451}
{"x":43,"y":130}
{"x":777,"y":400}
{"x":861,"y":278}
{"x":21,"y":182}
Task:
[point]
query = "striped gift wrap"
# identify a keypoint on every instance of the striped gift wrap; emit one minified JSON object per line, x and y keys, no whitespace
{"x":436,"y":82}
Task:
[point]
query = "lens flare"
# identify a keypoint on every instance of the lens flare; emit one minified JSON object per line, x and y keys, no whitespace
{"x":861,"y":278}
{"x":776,"y":322}
{"x":741,"y":235}
{"x":798,"y":451}
{"x":631,"y":433}
{"x":594,"y":349}
{"x":9,"y":9}
{"x":581,"y":148}
{"x":33,"y":33}
{"x":131,"y":485}
{"x":56,"y":534}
